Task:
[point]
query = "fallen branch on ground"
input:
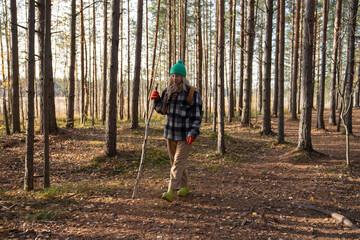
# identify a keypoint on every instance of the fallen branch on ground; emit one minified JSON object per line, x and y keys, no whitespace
{"x":336,"y":216}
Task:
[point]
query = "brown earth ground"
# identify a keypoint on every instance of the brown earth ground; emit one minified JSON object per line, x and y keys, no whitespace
{"x":249,"y":193}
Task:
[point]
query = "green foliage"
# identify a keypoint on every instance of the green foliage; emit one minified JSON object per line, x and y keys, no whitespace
{"x":44,"y":215}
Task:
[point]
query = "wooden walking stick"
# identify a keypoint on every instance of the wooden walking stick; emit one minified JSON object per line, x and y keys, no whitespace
{"x":143,"y":149}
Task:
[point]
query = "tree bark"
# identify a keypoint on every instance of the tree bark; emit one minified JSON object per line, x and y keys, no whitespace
{"x":232,"y":11}
{"x":137,"y":68}
{"x":122,"y":98}
{"x":276,"y":77}
{"x":221,"y":76}
{"x":71,"y":84}
{"x":320,"y":111}
{"x":215,"y":86}
{"x":199,"y":51}
{"x":29,"y":159}
{"x":104,"y":80}
{"x":281,"y":133}
{"x":294,"y":82}
{"x":266,"y":111}
{"x":246,"y":114}
{"x":112,"y":84}
{"x":353,"y":8}
{"x":46,"y":83}
{"x":5,"y":82}
{"x":128,"y":64}
{"x":304,"y":141}
{"x":242,"y":52}
{"x":15,"y":69}
{"x":169,"y":62}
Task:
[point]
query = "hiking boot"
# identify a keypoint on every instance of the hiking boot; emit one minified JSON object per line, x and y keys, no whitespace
{"x":169,"y":195}
{"x":183,"y":192}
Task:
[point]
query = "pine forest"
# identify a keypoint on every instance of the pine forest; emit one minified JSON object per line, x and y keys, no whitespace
{"x":82,"y":147}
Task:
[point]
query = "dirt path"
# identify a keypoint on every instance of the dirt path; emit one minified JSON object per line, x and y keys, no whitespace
{"x":246,"y":194}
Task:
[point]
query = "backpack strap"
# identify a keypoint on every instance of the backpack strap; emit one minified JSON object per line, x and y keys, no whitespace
{"x":191,"y":95}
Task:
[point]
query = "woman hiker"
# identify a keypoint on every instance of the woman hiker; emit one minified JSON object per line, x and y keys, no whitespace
{"x":182,"y":126}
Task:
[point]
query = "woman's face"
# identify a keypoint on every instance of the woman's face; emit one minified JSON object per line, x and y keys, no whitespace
{"x":175,"y":78}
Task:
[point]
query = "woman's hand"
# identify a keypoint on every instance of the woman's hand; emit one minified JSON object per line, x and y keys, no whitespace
{"x":190,"y":140}
{"x":155,"y":95}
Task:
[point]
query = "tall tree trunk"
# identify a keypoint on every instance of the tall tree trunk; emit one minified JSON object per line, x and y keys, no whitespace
{"x":232,"y":11}
{"x":71,"y":84}
{"x":294,"y":82}
{"x":122,"y":100}
{"x":357,"y":94}
{"x":184,"y":35}
{"x":29,"y":159}
{"x":221,"y":76}
{"x":199,"y":51}
{"x":8,"y":60}
{"x":137,"y":68}
{"x":41,"y":32}
{"x":304,"y":141}
{"x":5,"y":82}
{"x":246,"y":114}
{"x":266,"y":112}
{"x":216,"y":55}
{"x":276,"y":77}
{"x":261,"y":52}
{"x":128,"y":64}
{"x":320,"y":111}
{"x":15,"y":69}
{"x":112,"y":84}
{"x":82,"y":61}
{"x":104,"y":80}
{"x":169,"y":62}
{"x":149,"y":86}
{"x":95,"y":63}
{"x":353,"y":8}
{"x":335,"y":63}
{"x":242,"y":53}
{"x":281,"y":133}
{"x":46,"y":83}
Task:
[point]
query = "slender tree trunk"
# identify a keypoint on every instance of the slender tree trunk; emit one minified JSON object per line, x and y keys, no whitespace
{"x":128,"y":65}
{"x":7,"y":37}
{"x":122,"y":100}
{"x":199,"y":51}
{"x":304,"y":141}
{"x":46,"y":82}
{"x":104,"y":80}
{"x":353,"y":8}
{"x":242,"y":53}
{"x":266,"y":112}
{"x":149,"y":86}
{"x":276,"y":77}
{"x":15,"y":69}
{"x":112,"y":84}
{"x":281,"y":133}
{"x":41,"y":31}
{"x":82,"y":61}
{"x":232,"y":11}
{"x":29,"y":159}
{"x":294,"y":82}
{"x":216,"y":55}
{"x":220,"y":72}
{"x":137,"y":68}
{"x":320,"y":111}
{"x":169,"y":62}
{"x":246,"y":114}
{"x":184,"y":30}
{"x":357,"y":102}
{"x":6,"y":119}
{"x":261,"y":52}
{"x":71,"y":84}
{"x":335,"y":63}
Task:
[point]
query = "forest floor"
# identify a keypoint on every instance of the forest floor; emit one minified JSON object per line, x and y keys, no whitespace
{"x":251,"y":192}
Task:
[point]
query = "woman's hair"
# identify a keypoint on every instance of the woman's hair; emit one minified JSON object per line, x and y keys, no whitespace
{"x":185,"y":83}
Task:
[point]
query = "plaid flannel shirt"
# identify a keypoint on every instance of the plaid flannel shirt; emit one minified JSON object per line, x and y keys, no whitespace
{"x":183,"y":120}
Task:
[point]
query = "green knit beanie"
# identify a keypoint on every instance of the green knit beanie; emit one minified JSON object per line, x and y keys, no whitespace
{"x":179,"y":69}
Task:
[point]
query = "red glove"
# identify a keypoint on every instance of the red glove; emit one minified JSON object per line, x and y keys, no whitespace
{"x":155,"y":95}
{"x":190,"y":140}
